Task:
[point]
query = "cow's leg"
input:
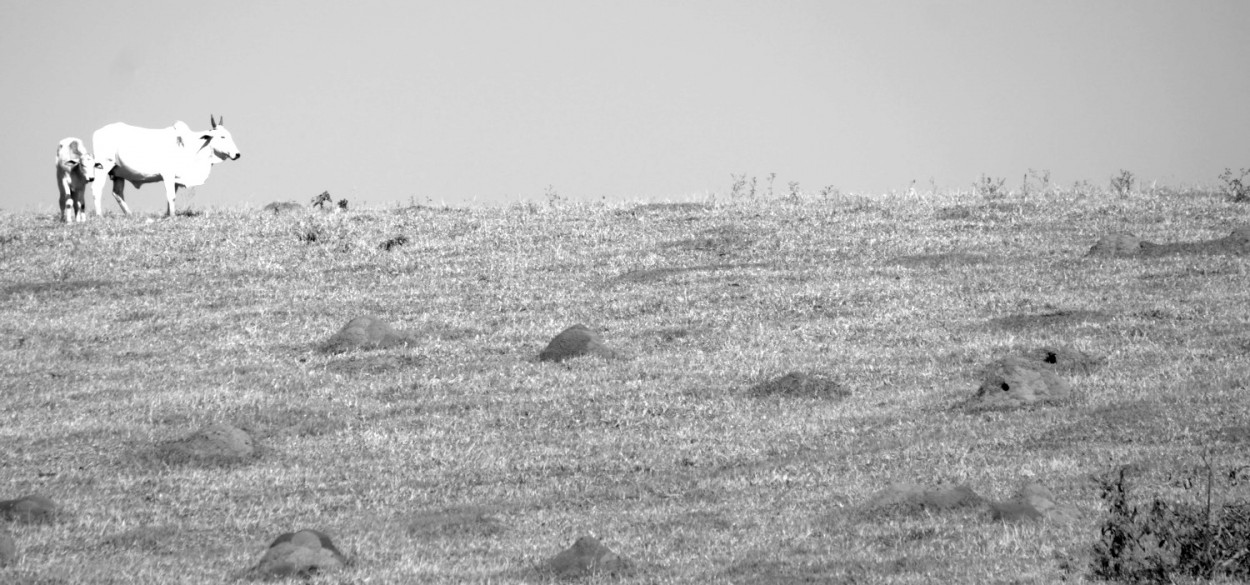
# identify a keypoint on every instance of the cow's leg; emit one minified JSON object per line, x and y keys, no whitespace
{"x":80,"y":205}
{"x":171,"y":191}
{"x":65,"y":201}
{"x":67,"y":207}
{"x":97,"y":188}
{"x":119,"y":193}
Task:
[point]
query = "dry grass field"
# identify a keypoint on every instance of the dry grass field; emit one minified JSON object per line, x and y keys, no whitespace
{"x":462,"y":458}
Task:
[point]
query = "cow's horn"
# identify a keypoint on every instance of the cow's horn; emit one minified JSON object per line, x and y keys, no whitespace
{"x":212,"y":121}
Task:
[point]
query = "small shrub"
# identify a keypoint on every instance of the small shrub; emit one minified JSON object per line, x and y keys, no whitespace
{"x":394,"y":242}
{"x":738,"y":188}
{"x":741,"y":187}
{"x":553,"y":197}
{"x":796,"y":194}
{"x":829,"y":191}
{"x":1162,"y":540}
{"x":311,"y":233}
{"x":1041,"y":178}
{"x":989,"y":186}
{"x":342,"y":204}
{"x":1123,"y":184}
{"x":1236,"y":187}
{"x":322,"y":199}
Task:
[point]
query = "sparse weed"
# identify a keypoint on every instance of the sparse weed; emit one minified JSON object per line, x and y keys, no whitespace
{"x":742,"y":188}
{"x":1083,"y":188}
{"x":796,"y":194}
{"x":1236,"y":187}
{"x":1040,"y":178}
{"x":554,"y":198}
{"x":989,"y":187}
{"x":1122,"y":184}
{"x":738,"y":188}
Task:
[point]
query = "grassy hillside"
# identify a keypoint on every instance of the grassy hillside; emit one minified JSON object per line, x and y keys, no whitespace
{"x":463,"y":459}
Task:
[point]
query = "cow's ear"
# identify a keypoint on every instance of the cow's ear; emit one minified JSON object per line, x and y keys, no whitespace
{"x":71,"y":163}
{"x":99,"y":166}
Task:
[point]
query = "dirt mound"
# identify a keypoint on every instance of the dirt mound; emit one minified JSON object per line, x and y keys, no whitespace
{"x":576,"y":341}
{"x":1033,"y":502}
{"x":302,"y":553}
{"x":587,"y":557}
{"x":801,"y":385}
{"x":214,"y":444}
{"x":912,"y":498}
{"x":150,"y":539}
{"x":280,"y":207}
{"x":1014,"y":382}
{"x":471,"y":521}
{"x":32,"y":509}
{"x":366,"y":332}
{"x":1237,"y":242}
{"x":1118,"y":245}
{"x":1063,"y":359}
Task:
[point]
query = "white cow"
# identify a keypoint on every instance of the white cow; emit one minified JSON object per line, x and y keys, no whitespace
{"x":175,"y":155}
{"x":74,"y":169}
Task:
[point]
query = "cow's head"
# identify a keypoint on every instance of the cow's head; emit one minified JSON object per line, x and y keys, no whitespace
{"x":84,"y":166}
{"x":220,"y":141}
{"x":87,"y":166}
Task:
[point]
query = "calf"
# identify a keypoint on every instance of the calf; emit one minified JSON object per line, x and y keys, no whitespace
{"x":75,"y":167}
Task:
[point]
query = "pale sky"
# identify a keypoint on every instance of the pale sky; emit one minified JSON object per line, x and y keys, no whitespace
{"x":473,"y":102}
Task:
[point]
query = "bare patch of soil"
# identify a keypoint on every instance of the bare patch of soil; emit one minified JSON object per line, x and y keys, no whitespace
{"x":1050,"y":318}
{"x":947,"y":259}
{"x":149,"y":539}
{"x":473,"y":521}
{"x":910,"y":498}
{"x":801,"y":385}
{"x":54,"y":287}
{"x":658,"y":274}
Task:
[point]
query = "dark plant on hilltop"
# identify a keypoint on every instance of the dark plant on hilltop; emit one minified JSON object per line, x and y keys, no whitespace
{"x":1122,"y":185}
{"x":1236,"y":187}
{"x":322,"y":199}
